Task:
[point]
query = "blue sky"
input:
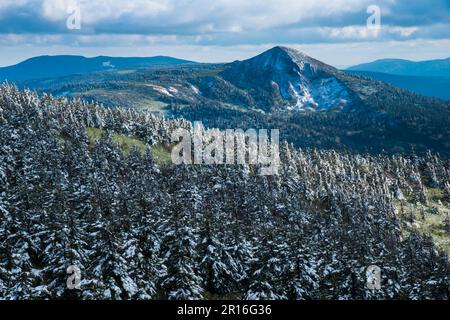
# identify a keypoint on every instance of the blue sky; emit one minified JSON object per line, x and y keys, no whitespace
{"x":334,"y":31}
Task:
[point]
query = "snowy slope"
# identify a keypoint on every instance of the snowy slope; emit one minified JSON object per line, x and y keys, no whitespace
{"x":302,"y":82}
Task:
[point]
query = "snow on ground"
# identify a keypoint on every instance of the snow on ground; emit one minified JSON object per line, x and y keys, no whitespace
{"x":162,"y":90}
{"x":322,"y":94}
{"x":195,"y":89}
{"x":173,"y":90}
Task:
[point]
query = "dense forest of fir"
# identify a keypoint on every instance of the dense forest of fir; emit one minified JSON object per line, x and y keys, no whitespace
{"x":141,"y":230}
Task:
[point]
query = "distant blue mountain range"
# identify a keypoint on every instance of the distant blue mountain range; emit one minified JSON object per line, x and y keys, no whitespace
{"x":438,"y":87}
{"x":56,"y":66}
{"x":429,"y":78}
{"x":430,"y":68}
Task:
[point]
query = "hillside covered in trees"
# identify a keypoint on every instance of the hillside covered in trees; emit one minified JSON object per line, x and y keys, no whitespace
{"x":315,"y":104}
{"x":88,"y":186}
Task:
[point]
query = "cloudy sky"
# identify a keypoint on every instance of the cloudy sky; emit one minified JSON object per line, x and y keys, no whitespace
{"x":335,"y":31}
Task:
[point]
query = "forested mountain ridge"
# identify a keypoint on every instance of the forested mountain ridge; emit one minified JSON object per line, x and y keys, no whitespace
{"x":43,"y":67}
{"x":139,"y":230}
{"x":284,"y":78}
{"x":429,"y":68}
{"x":427,"y":86}
{"x":314,"y":104}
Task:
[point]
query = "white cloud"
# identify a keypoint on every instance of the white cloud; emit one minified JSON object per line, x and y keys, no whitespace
{"x":404,"y":31}
{"x":5,"y":4}
{"x":352,"y":32}
{"x":219,"y":28}
{"x":364,"y":33}
{"x":248,"y":15}
{"x":95,"y":11}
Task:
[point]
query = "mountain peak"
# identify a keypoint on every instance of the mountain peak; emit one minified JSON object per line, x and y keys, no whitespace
{"x":283,"y":57}
{"x":285,"y":50}
{"x":280,"y":51}
{"x":299,"y":81}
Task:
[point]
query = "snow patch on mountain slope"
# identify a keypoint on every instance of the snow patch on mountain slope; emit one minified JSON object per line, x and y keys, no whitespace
{"x":303,"y":97}
{"x":162,"y":90}
{"x":320,"y":94}
{"x":316,"y":87}
{"x":310,"y":83}
{"x":195,"y":89}
{"x":173,"y":90}
{"x":303,"y":83}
